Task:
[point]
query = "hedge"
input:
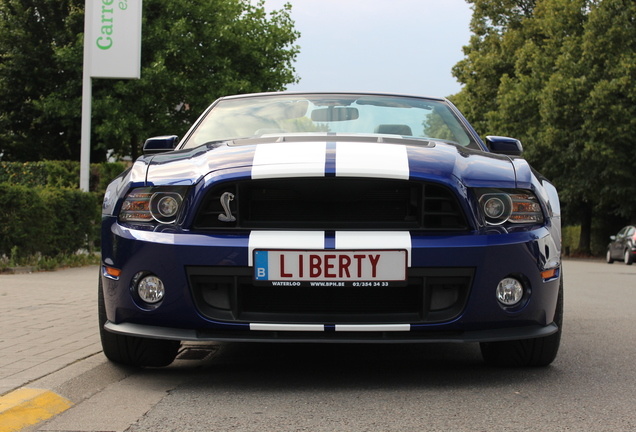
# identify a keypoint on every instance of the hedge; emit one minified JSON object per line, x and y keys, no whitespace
{"x":46,"y":220}
{"x":64,"y":174}
{"x":43,"y":211}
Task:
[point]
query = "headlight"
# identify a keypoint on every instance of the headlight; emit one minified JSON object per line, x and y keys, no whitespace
{"x":149,"y":204}
{"x":509,"y":205}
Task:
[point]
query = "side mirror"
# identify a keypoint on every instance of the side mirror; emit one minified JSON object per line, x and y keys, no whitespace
{"x":161,"y":144}
{"x":613,"y":238}
{"x":504,"y":145}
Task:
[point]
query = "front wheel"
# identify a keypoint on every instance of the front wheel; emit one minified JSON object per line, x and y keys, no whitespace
{"x":527,"y":352}
{"x":608,"y":257}
{"x":627,"y":257}
{"x":132,"y":350}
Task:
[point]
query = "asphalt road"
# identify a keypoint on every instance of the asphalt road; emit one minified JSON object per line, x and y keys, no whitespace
{"x":435,"y":387}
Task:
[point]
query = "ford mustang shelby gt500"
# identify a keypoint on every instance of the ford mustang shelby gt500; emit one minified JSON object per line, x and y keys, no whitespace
{"x":331,"y":217}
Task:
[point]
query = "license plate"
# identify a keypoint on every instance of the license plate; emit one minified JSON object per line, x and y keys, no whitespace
{"x":330,"y":267}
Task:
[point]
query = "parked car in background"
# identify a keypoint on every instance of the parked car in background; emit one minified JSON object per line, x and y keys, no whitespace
{"x":331,"y":218}
{"x":622,"y":246}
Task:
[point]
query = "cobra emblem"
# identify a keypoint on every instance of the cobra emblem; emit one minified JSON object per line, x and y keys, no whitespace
{"x":225,"y":203}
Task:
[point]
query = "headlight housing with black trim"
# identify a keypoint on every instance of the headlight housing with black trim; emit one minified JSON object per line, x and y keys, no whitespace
{"x":518,"y":206}
{"x":152,"y":204}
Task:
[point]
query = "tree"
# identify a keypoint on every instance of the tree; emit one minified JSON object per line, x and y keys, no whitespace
{"x":540,"y":104}
{"x":568,"y":94}
{"x":609,"y":61}
{"x":192,"y":53}
{"x":32,"y":32}
{"x":489,"y":56}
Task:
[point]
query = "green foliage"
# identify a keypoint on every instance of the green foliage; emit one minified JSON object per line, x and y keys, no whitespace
{"x":192,"y":53}
{"x":47,"y":218}
{"x":32,"y":35}
{"x":570,"y":238}
{"x":24,"y":220}
{"x":73,"y":220}
{"x":39,"y":262}
{"x":495,"y":25}
{"x":49,"y":221}
{"x":102,"y":174}
{"x":559,"y":75}
{"x":60,"y":174}
{"x":27,"y":174}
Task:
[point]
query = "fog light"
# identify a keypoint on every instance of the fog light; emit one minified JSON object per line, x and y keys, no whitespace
{"x":509,"y":291}
{"x":151,"y":290}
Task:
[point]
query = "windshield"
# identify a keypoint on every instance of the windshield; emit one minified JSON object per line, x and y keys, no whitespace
{"x":347,"y":114}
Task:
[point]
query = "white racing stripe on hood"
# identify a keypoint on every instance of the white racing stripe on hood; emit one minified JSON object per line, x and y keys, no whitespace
{"x":309,"y":240}
{"x":371,"y":160}
{"x":360,"y":240}
{"x":277,"y":160}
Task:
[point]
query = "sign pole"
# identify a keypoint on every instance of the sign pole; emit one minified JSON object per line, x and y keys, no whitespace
{"x":112,"y":49}
{"x":87,"y":95}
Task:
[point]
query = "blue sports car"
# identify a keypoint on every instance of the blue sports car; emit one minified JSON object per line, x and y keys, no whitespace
{"x":333,"y":218}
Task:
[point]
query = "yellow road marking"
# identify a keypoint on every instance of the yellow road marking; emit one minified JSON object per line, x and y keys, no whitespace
{"x":26,"y":407}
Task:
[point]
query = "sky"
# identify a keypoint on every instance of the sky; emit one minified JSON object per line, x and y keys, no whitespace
{"x":394,"y":46}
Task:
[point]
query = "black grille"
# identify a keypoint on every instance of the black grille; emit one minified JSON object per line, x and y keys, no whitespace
{"x":333,"y":203}
{"x":432,"y":295}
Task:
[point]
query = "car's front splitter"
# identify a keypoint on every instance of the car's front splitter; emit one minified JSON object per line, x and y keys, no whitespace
{"x":327,"y":334}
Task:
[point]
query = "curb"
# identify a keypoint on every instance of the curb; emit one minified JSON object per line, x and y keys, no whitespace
{"x":53,"y":394}
{"x":18,"y":270}
{"x":27,"y":407}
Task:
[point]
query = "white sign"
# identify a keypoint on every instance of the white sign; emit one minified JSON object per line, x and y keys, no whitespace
{"x":115,"y":38}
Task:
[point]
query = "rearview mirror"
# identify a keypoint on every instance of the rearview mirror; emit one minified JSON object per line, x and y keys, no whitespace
{"x":335,"y":114}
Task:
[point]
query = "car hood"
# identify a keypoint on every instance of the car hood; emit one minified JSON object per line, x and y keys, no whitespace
{"x":333,"y":155}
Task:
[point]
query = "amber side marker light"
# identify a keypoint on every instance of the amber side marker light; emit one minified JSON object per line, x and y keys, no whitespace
{"x":112,"y":271}
{"x":549,"y":274}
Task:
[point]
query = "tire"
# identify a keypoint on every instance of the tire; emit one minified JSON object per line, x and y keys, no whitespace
{"x":627,"y":257}
{"x":527,"y":352}
{"x":132,"y":350}
{"x":608,"y":257}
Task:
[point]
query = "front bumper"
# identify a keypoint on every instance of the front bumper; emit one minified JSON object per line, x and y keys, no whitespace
{"x":484,"y":257}
{"x":373,"y":334}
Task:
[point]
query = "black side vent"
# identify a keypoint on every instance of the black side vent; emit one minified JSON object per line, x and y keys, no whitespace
{"x":332,"y":204}
{"x":441,"y":210}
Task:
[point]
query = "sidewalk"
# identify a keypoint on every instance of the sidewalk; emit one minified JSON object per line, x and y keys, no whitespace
{"x":48,"y":321}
